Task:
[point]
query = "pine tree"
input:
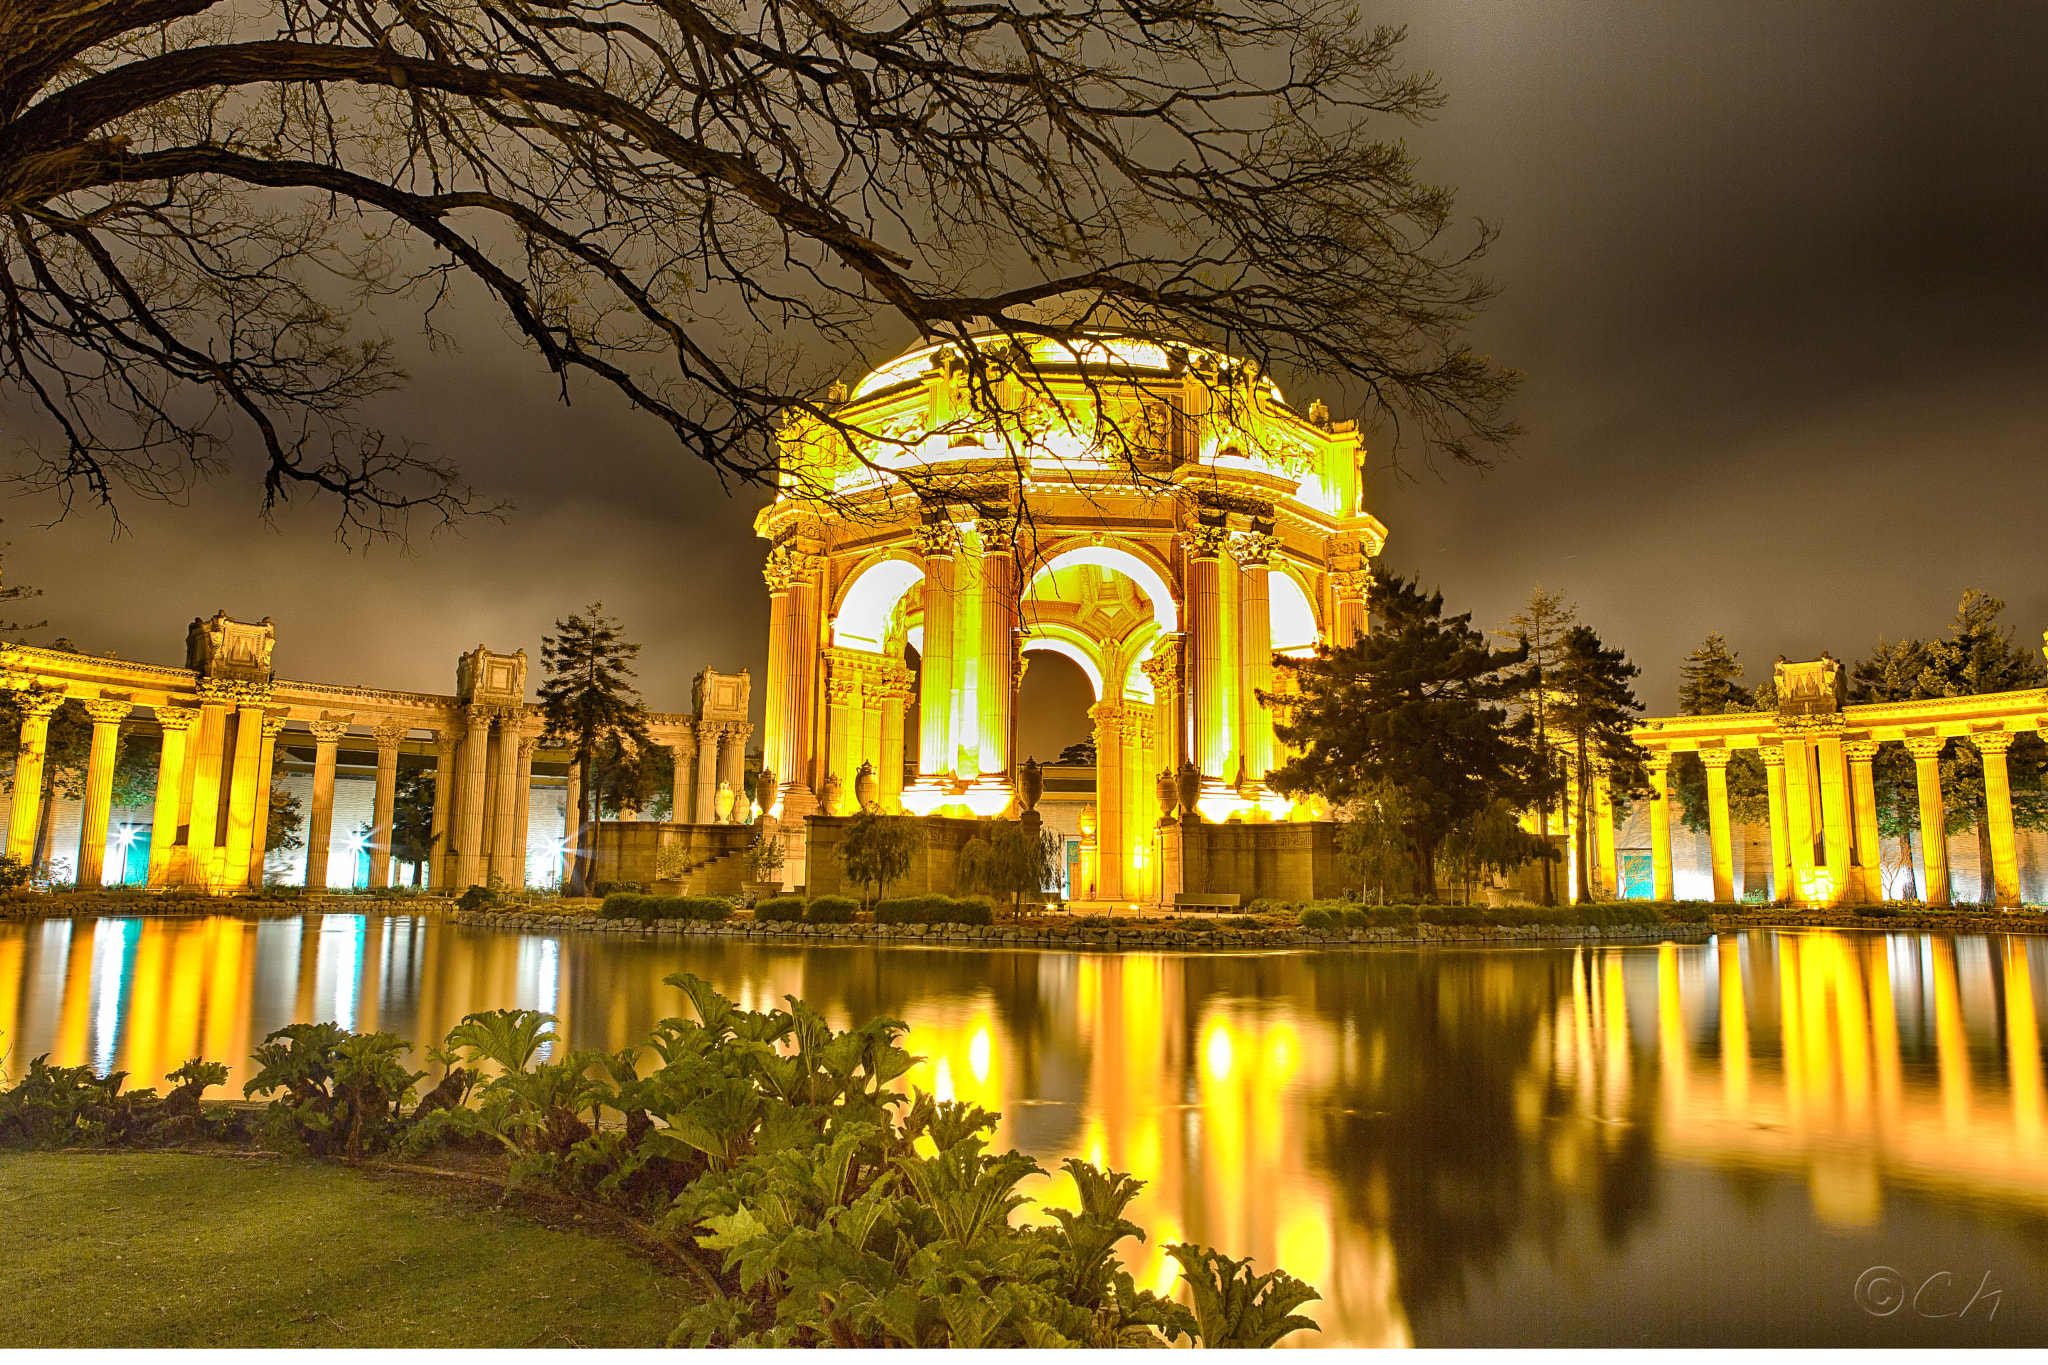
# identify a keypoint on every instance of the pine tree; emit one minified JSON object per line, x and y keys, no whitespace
{"x":1706,"y":680}
{"x":591,"y":707}
{"x":1541,"y":626}
{"x":1596,"y":708}
{"x":1413,"y":703}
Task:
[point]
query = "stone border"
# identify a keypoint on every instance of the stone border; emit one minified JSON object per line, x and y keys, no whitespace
{"x":1039,"y":935}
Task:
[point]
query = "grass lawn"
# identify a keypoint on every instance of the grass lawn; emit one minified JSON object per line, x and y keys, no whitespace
{"x":141,"y":1249}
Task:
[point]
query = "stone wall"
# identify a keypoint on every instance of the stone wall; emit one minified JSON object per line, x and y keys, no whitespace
{"x":627,"y":851}
{"x":931,"y":870}
{"x":1289,"y":861}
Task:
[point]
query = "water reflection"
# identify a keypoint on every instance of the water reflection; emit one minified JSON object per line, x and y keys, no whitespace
{"x":1419,"y":1134}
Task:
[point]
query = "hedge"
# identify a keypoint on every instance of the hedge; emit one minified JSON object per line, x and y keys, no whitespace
{"x":780,"y":909}
{"x":831,"y":910}
{"x":633,"y":905}
{"x":1601,"y":914}
{"x":934,"y":910}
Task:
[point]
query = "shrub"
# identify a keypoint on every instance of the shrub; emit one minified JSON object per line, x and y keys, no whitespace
{"x":1266,"y":905}
{"x":1687,"y":912}
{"x":831,"y":910}
{"x":607,"y":888}
{"x":703,"y":908}
{"x":971,"y":910}
{"x":1876,"y":911}
{"x":934,"y":909}
{"x":1316,"y":917}
{"x":1199,"y":924}
{"x":341,"y":1089}
{"x":779,"y":909}
{"x":62,"y":1106}
{"x":624,"y":905}
{"x":14,"y":873}
{"x":477,"y":897}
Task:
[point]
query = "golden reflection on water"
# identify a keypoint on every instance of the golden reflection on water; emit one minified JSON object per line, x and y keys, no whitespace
{"x":1380,"y":1123}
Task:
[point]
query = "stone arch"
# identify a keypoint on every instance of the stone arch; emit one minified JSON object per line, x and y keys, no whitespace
{"x":1132,"y":563}
{"x":860,"y":618}
{"x":1063,"y":642}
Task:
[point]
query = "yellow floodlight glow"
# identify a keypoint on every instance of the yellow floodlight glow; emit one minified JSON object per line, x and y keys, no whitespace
{"x":1217,"y":1052}
{"x":979,"y":1052}
{"x":985,"y":801}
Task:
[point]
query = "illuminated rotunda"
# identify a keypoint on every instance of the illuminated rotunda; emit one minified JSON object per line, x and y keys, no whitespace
{"x":1157,"y":514}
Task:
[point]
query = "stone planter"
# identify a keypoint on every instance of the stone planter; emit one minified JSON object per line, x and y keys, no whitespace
{"x":761,"y":890}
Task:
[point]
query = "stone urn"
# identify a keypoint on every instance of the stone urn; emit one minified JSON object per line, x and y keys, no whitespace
{"x":1033,"y":783}
{"x":1190,"y":781}
{"x":867,"y":788}
{"x":828,"y":794}
{"x":764,"y":792}
{"x":721,"y":803}
{"x":1168,"y":788}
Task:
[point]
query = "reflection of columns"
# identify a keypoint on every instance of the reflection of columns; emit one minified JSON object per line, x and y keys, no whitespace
{"x":1869,"y":860}
{"x":1111,"y":728}
{"x":242,"y":838}
{"x":1734,"y":1028}
{"x":2005,"y":862}
{"x":447,"y":749}
{"x":792,"y":574}
{"x":320,"y":821}
{"x":708,"y":732}
{"x":1608,"y":879}
{"x":732,"y":768}
{"x":170,"y":780}
{"x":1673,"y":1052}
{"x":997,"y":670}
{"x":469,"y":799}
{"x":1781,"y":838}
{"x":1799,"y":832}
{"x":1926,"y":751}
{"x":2022,"y":1044}
{"x":522,"y":807}
{"x":1255,"y":652}
{"x":99,"y":788}
{"x":935,"y":661}
{"x":1716,"y":762}
{"x":507,"y":861}
{"x":1660,"y":826}
{"x":389,"y":735}
{"x":1213,"y":653}
{"x":259,"y":841}
{"x":1951,"y":1040}
{"x":1833,"y":776}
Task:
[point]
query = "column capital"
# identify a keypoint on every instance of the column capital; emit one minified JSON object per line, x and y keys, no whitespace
{"x":739,"y":730}
{"x":1926,"y":748}
{"x":388,"y":734}
{"x":233,"y":692}
{"x":789,"y":565}
{"x":1860,"y":750}
{"x":1350,"y":585}
{"x":996,"y":534}
{"x":329,"y":731}
{"x":1658,"y":762}
{"x":1253,"y":550}
{"x":1716,"y":759}
{"x":477,"y":716}
{"x":527,"y":744}
{"x":938,"y":539}
{"x":173,"y":719}
{"x":1205,"y":542}
{"x":273,"y":726}
{"x":39,"y":704}
{"x":1773,"y":755}
{"x":1993,"y":741}
{"x":841,"y":691}
{"x":107,"y":711}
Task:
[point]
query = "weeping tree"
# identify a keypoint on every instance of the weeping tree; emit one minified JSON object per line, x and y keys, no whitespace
{"x":1006,"y":859}
{"x":590,"y":707}
{"x":705,"y":211}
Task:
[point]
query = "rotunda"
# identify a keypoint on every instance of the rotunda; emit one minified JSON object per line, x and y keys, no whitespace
{"x":1159,"y":514}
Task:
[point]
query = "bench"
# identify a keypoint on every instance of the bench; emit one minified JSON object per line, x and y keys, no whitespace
{"x":1184,"y":901}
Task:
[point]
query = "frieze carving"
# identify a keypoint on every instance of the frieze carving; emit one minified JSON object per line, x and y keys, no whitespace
{"x":233,"y":692}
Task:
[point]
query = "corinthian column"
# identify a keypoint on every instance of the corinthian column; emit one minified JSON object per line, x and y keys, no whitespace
{"x":1255,"y":645}
{"x":469,"y":798}
{"x":732,"y":768}
{"x":1660,"y":826}
{"x":522,"y":807}
{"x":259,"y":838}
{"x":389,"y":736}
{"x":1868,"y":861}
{"x":170,"y":780}
{"x":26,"y":812}
{"x":708,"y":732}
{"x":320,"y":825}
{"x":793,"y":627}
{"x":106,"y":716}
{"x":941,"y":542}
{"x":889,"y":766}
{"x":1926,"y":751}
{"x":447,"y":755}
{"x":238,"y":854}
{"x":1162,"y":668}
{"x":997,"y":668}
{"x":1722,"y":848}
{"x":1213,"y":654}
{"x":1110,"y":761}
{"x":682,"y":748}
{"x":1781,"y":829}
{"x":507,"y":861}
{"x":2005,"y":863}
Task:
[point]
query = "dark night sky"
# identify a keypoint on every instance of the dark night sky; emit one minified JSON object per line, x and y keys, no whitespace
{"x":1774,"y":273}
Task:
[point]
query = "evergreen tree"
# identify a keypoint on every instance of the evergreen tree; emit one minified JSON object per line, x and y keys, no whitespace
{"x":1596,"y":707}
{"x":412,"y":819}
{"x":592,"y":709}
{"x":1541,"y":626}
{"x":1413,"y":703}
{"x":1978,"y":656}
{"x":1707,"y":687}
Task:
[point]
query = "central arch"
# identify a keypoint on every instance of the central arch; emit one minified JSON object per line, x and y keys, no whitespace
{"x":1139,"y":570}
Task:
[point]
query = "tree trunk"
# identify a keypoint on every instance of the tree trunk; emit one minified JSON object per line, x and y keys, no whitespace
{"x":1425,"y":872}
{"x":1583,"y":855}
{"x":1987,"y":879}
